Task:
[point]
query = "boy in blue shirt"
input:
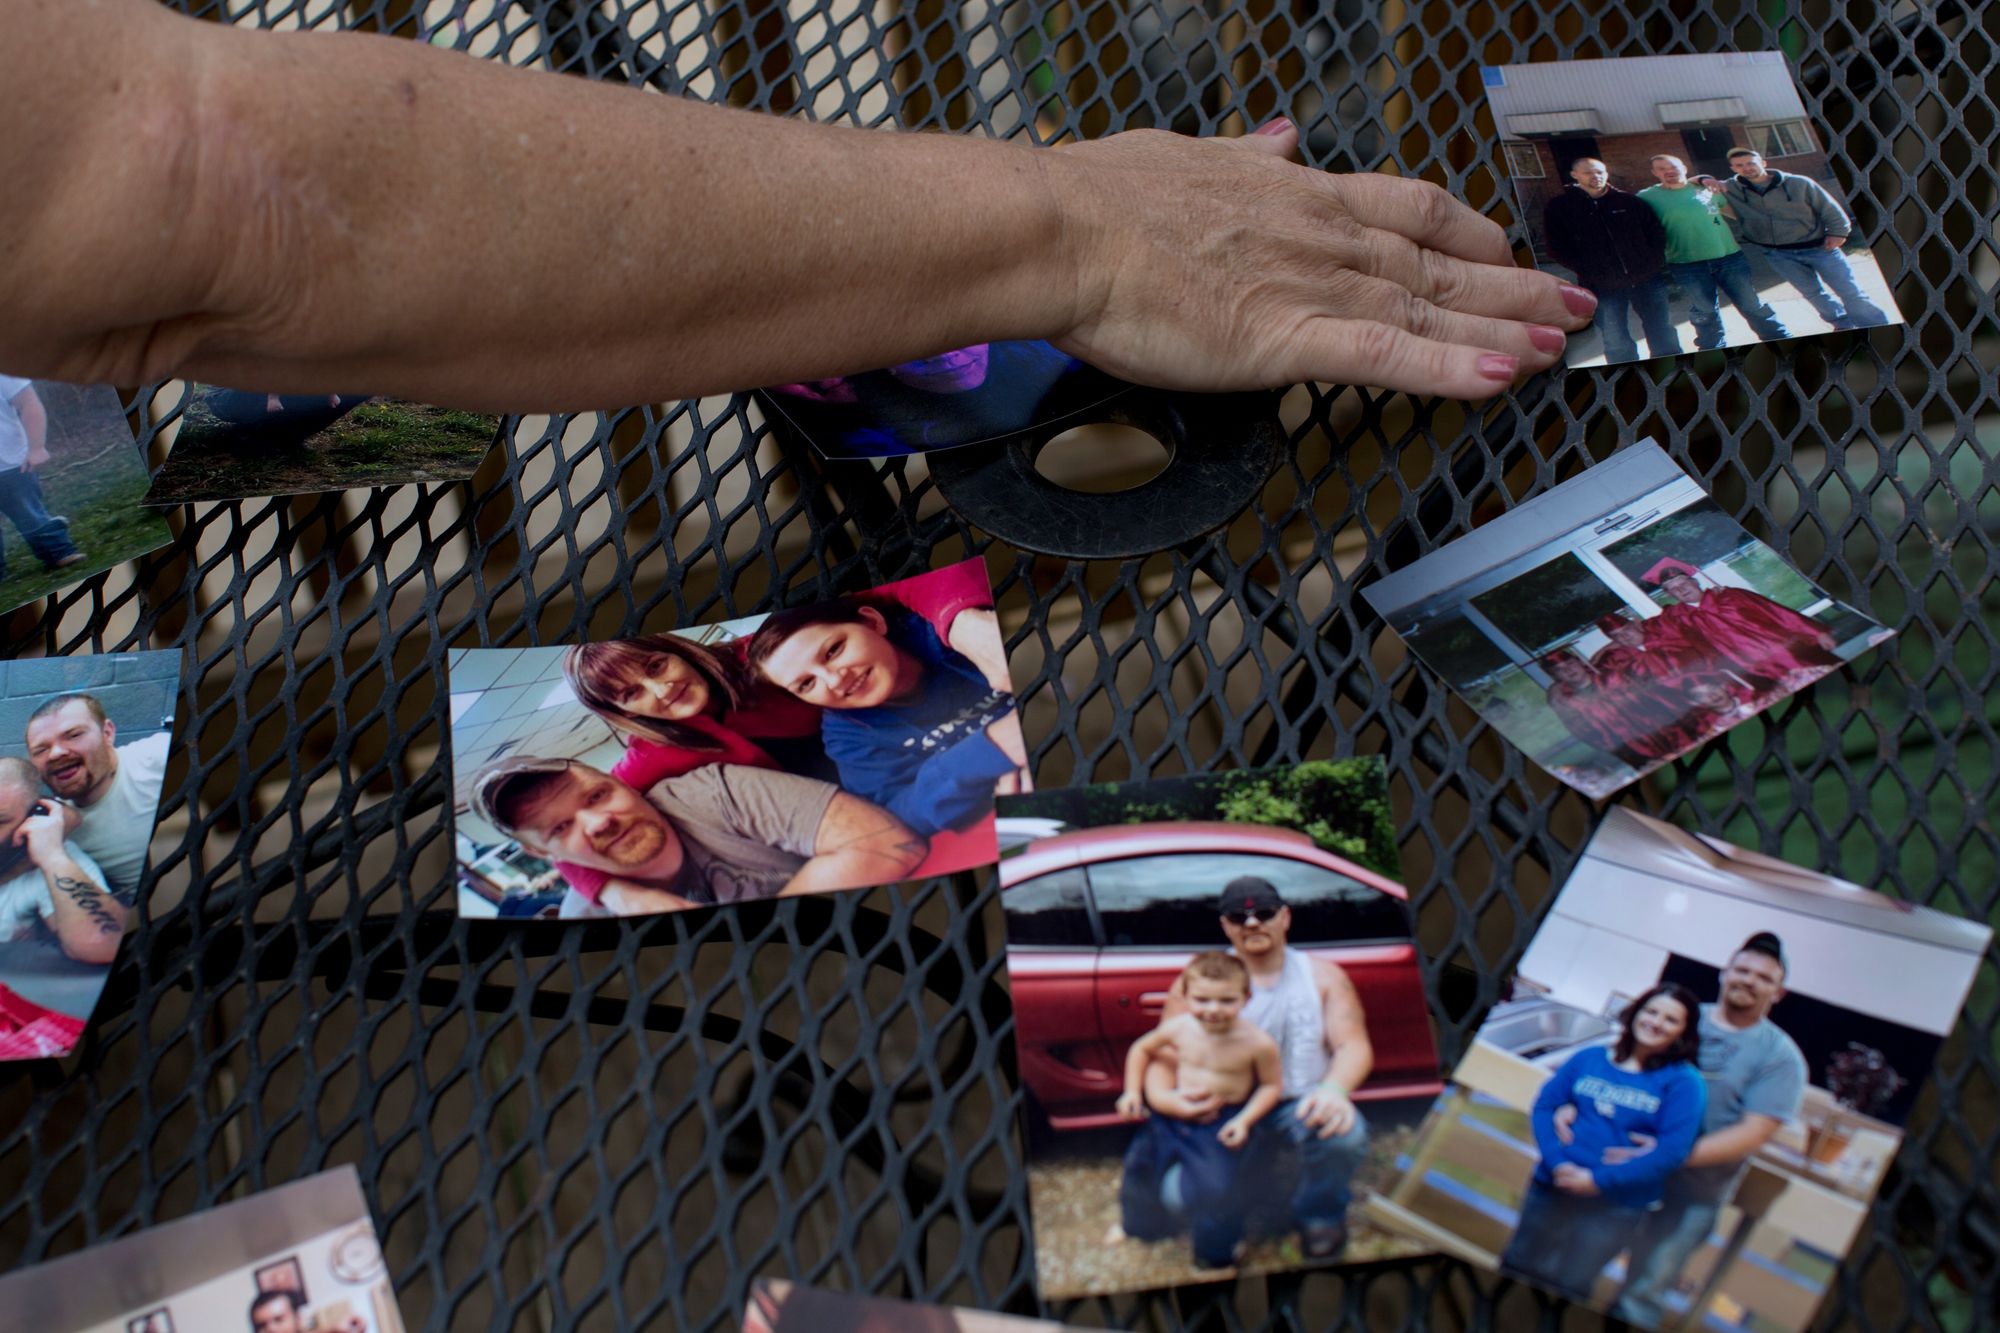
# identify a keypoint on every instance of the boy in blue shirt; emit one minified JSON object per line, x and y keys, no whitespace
{"x":1582,"y":1211}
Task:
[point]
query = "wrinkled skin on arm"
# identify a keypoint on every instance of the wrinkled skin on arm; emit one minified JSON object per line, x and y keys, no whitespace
{"x":314,"y":212}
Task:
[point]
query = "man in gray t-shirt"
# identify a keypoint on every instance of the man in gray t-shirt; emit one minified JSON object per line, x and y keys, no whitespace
{"x":723,"y":833}
{"x":1756,"y":1079}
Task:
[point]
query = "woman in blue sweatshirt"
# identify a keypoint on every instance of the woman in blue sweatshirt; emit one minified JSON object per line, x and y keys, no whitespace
{"x":910,"y":722}
{"x":1581,"y":1211}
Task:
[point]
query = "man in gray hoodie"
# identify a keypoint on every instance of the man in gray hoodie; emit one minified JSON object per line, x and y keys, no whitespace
{"x":1796,"y":225}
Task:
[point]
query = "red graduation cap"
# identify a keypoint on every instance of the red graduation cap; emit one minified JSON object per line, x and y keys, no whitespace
{"x":1612,"y":620}
{"x":1667,"y":568}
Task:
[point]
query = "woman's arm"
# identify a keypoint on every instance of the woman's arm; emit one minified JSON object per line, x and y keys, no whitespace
{"x":347,"y":211}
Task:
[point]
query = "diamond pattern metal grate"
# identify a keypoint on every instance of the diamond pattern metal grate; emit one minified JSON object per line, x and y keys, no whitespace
{"x":617,"y":1127}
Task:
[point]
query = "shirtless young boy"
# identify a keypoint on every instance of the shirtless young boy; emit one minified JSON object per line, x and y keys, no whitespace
{"x":1235,"y":1066}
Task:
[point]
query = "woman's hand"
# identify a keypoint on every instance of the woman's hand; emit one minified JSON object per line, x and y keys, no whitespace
{"x":1219,"y":264}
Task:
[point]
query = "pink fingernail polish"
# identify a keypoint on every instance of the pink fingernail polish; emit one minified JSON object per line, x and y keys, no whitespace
{"x":1278,"y":126}
{"x":1546,"y":339}
{"x":1495,"y":366}
{"x":1581,"y":303}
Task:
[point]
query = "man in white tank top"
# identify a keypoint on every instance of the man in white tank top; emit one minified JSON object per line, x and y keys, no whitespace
{"x":1310,"y":1008}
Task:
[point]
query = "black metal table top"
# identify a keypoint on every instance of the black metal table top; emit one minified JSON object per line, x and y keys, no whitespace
{"x":620,"y":1125}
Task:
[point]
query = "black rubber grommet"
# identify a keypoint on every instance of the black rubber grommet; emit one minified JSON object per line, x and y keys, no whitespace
{"x":1222,"y":449}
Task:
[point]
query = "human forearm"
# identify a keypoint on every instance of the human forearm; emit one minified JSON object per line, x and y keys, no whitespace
{"x":1732,"y":1144}
{"x":1352,"y":1063}
{"x":1261,"y":1103}
{"x":653,"y":247}
{"x":87,"y":921}
{"x":856,"y":866}
{"x":856,"y":844}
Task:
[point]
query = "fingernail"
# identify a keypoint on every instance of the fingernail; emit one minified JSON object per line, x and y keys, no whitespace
{"x":1546,"y":339}
{"x":1278,"y":126}
{"x":1495,"y":366}
{"x":1579,"y":301}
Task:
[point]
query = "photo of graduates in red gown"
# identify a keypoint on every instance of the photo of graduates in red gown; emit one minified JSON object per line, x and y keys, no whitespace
{"x":1618,"y":621}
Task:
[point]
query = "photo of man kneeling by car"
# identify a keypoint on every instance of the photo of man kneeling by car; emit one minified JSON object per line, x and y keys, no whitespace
{"x":1222,"y":1029}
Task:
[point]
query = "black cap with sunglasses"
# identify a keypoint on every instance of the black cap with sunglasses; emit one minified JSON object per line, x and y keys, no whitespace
{"x":1247,"y":896}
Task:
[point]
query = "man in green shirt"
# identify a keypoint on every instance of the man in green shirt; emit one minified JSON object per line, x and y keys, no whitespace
{"x":1703,"y":258}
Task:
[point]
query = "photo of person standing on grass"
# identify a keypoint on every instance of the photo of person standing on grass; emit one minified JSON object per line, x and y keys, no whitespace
{"x":71,"y":477}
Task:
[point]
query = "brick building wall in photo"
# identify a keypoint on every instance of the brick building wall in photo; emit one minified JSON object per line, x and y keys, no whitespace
{"x":136,"y":690}
{"x":1629,"y":158}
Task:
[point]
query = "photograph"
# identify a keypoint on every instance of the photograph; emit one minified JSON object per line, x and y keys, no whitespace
{"x":785,"y":1307}
{"x":72,"y":486}
{"x":232,"y":444}
{"x":219,"y":1271}
{"x":838,"y":745}
{"x":1618,"y":621}
{"x":1691,"y":195}
{"x":975,"y":394}
{"x":1220,"y":1019}
{"x":1683,"y":1108}
{"x":83,"y":757}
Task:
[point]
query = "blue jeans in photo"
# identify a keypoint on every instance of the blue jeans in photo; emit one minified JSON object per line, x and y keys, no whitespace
{"x":1160,"y":1196}
{"x":1729,"y":276}
{"x":1813,"y":271}
{"x":1647,"y":300}
{"x":1321,"y":1171}
{"x":1564,"y":1242}
{"x":21,"y":501}
{"x":1667,"y":1238}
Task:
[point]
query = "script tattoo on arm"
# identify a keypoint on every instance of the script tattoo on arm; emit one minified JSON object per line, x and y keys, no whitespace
{"x":90,"y":900}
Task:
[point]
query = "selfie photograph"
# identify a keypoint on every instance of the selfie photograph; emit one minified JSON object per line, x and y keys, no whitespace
{"x":81,"y":771}
{"x":837,"y":745}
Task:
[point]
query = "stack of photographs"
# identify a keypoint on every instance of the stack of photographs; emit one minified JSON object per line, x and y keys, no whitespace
{"x":1680,"y":1112}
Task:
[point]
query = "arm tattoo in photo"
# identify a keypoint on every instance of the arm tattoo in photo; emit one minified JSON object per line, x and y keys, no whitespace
{"x":90,"y":898}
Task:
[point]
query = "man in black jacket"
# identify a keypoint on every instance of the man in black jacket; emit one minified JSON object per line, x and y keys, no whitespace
{"x":1617,"y":247}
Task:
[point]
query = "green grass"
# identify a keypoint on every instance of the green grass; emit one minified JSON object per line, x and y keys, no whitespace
{"x":106,"y":521}
{"x":384,"y":443}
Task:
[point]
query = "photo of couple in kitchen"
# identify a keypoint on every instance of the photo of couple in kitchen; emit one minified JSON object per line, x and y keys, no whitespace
{"x":1690,"y":1096}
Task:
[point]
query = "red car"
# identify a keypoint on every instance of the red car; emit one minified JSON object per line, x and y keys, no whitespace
{"x":1101,"y":921}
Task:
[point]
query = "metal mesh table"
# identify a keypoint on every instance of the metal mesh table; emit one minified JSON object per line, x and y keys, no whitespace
{"x":618,"y":1126}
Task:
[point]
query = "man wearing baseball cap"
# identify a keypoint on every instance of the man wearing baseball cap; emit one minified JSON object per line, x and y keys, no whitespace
{"x":723,"y":833}
{"x":1756,"y":1079}
{"x":1310,"y":1008}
